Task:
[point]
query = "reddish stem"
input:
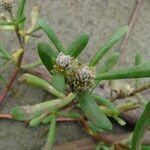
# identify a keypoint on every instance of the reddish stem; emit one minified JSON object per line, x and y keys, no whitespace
{"x":61,"y":119}
{"x":8,"y":86}
{"x":6,"y":116}
{"x":15,"y":72}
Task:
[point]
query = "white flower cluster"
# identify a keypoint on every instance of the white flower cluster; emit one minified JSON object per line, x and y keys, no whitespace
{"x":63,"y":60}
{"x":80,"y":77}
{"x":7,"y":4}
{"x":85,"y":74}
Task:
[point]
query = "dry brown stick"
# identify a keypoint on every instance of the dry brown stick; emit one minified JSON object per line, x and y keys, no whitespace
{"x":140,"y":89}
{"x":131,"y":23}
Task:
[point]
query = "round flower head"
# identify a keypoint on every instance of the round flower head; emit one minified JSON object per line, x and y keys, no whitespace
{"x":7,"y":4}
{"x":85,"y":74}
{"x":63,"y":60}
{"x":82,"y":79}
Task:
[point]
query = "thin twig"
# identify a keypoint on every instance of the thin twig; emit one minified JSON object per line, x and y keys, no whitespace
{"x":132,"y":20}
{"x":15,"y":72}
{"x":5,"y":116}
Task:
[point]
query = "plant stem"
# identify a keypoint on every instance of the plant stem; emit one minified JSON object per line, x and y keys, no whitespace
{"x":18,"y":65}
{"x":6,"y":116}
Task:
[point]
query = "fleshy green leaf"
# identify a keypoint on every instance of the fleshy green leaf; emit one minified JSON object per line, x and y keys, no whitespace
{"x":108,"y":45}
{"x":78,"y":45}
{"x":58,"y":82}
{"x":138,"y":71}
{"x":138,"y":61}
{"x":52,"y":35}
{"x":40,"y":83}
{"x":4,"y":54}
{"x":142,"y":125}
{"x":93,"y":112}
{"x":145,"y":147}
{"x":105,"y":102}
{"x":73,"y":115}
{"x":24,"y":113}
{"x":3,"y":23}
{"x":20,"y":12}
{"x":138,"y":58}
{"x":48,"y":119}
{"x":51,"y":135}
{"x":46,"y":53}
{"x":109,"y":63}
{"x":36,"y":121}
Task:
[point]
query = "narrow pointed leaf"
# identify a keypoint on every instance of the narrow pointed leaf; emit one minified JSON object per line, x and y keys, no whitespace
{"x":138,"y":58}
{"x":93,"y":112}
{"x":36,"y":121}
{"x":73,"y":115}
{"x":103,"y":101}
{"x":78,"y":45}
{"x":138,"y":61}
{"x":58,"y":82}
{"x":52,"y":35}
{"x":108,"y":45}
{"x":4,"y":23}
{"x":142,"y":125}
{"x":138,"y":71}
{"x":109,"y":63}
{"x":48,"y":119}
{"x":51,"y":135}
{"x":20,"y":12}
{"x":23,"y":113}
{"x":46,"y":53}
{"x":40,"y":83}
{"x":4,"y":54}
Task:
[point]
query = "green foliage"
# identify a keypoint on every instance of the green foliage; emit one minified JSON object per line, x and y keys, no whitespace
{"x":138,"y":61}
{"x":108,"y":45}
{"x":73,"y":115}
{"x":23,"y":113}
{"x":20,"y":11}
{"x":138,"y":58}
{"x":58,"y":82}
{"x":40,"y":83}
{"x":105,"y":102}
{"x":109,"y":63}
{"x":93,"y":112}
{"x":138,"y":71}
{"x":52,"y":35}
{"x":3,"y":23}
{"x":36,"y":121}
{"x":51,"y":134}
{"x":46,"y":54}
{"x":78,"y":45}
{"x":4,"y":54}
{"x":142,"y":125}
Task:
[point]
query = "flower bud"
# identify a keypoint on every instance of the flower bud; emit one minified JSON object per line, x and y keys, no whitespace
{"x":7,"y":4}
{"x":85,"y":74}
{"x":63,"y":60}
